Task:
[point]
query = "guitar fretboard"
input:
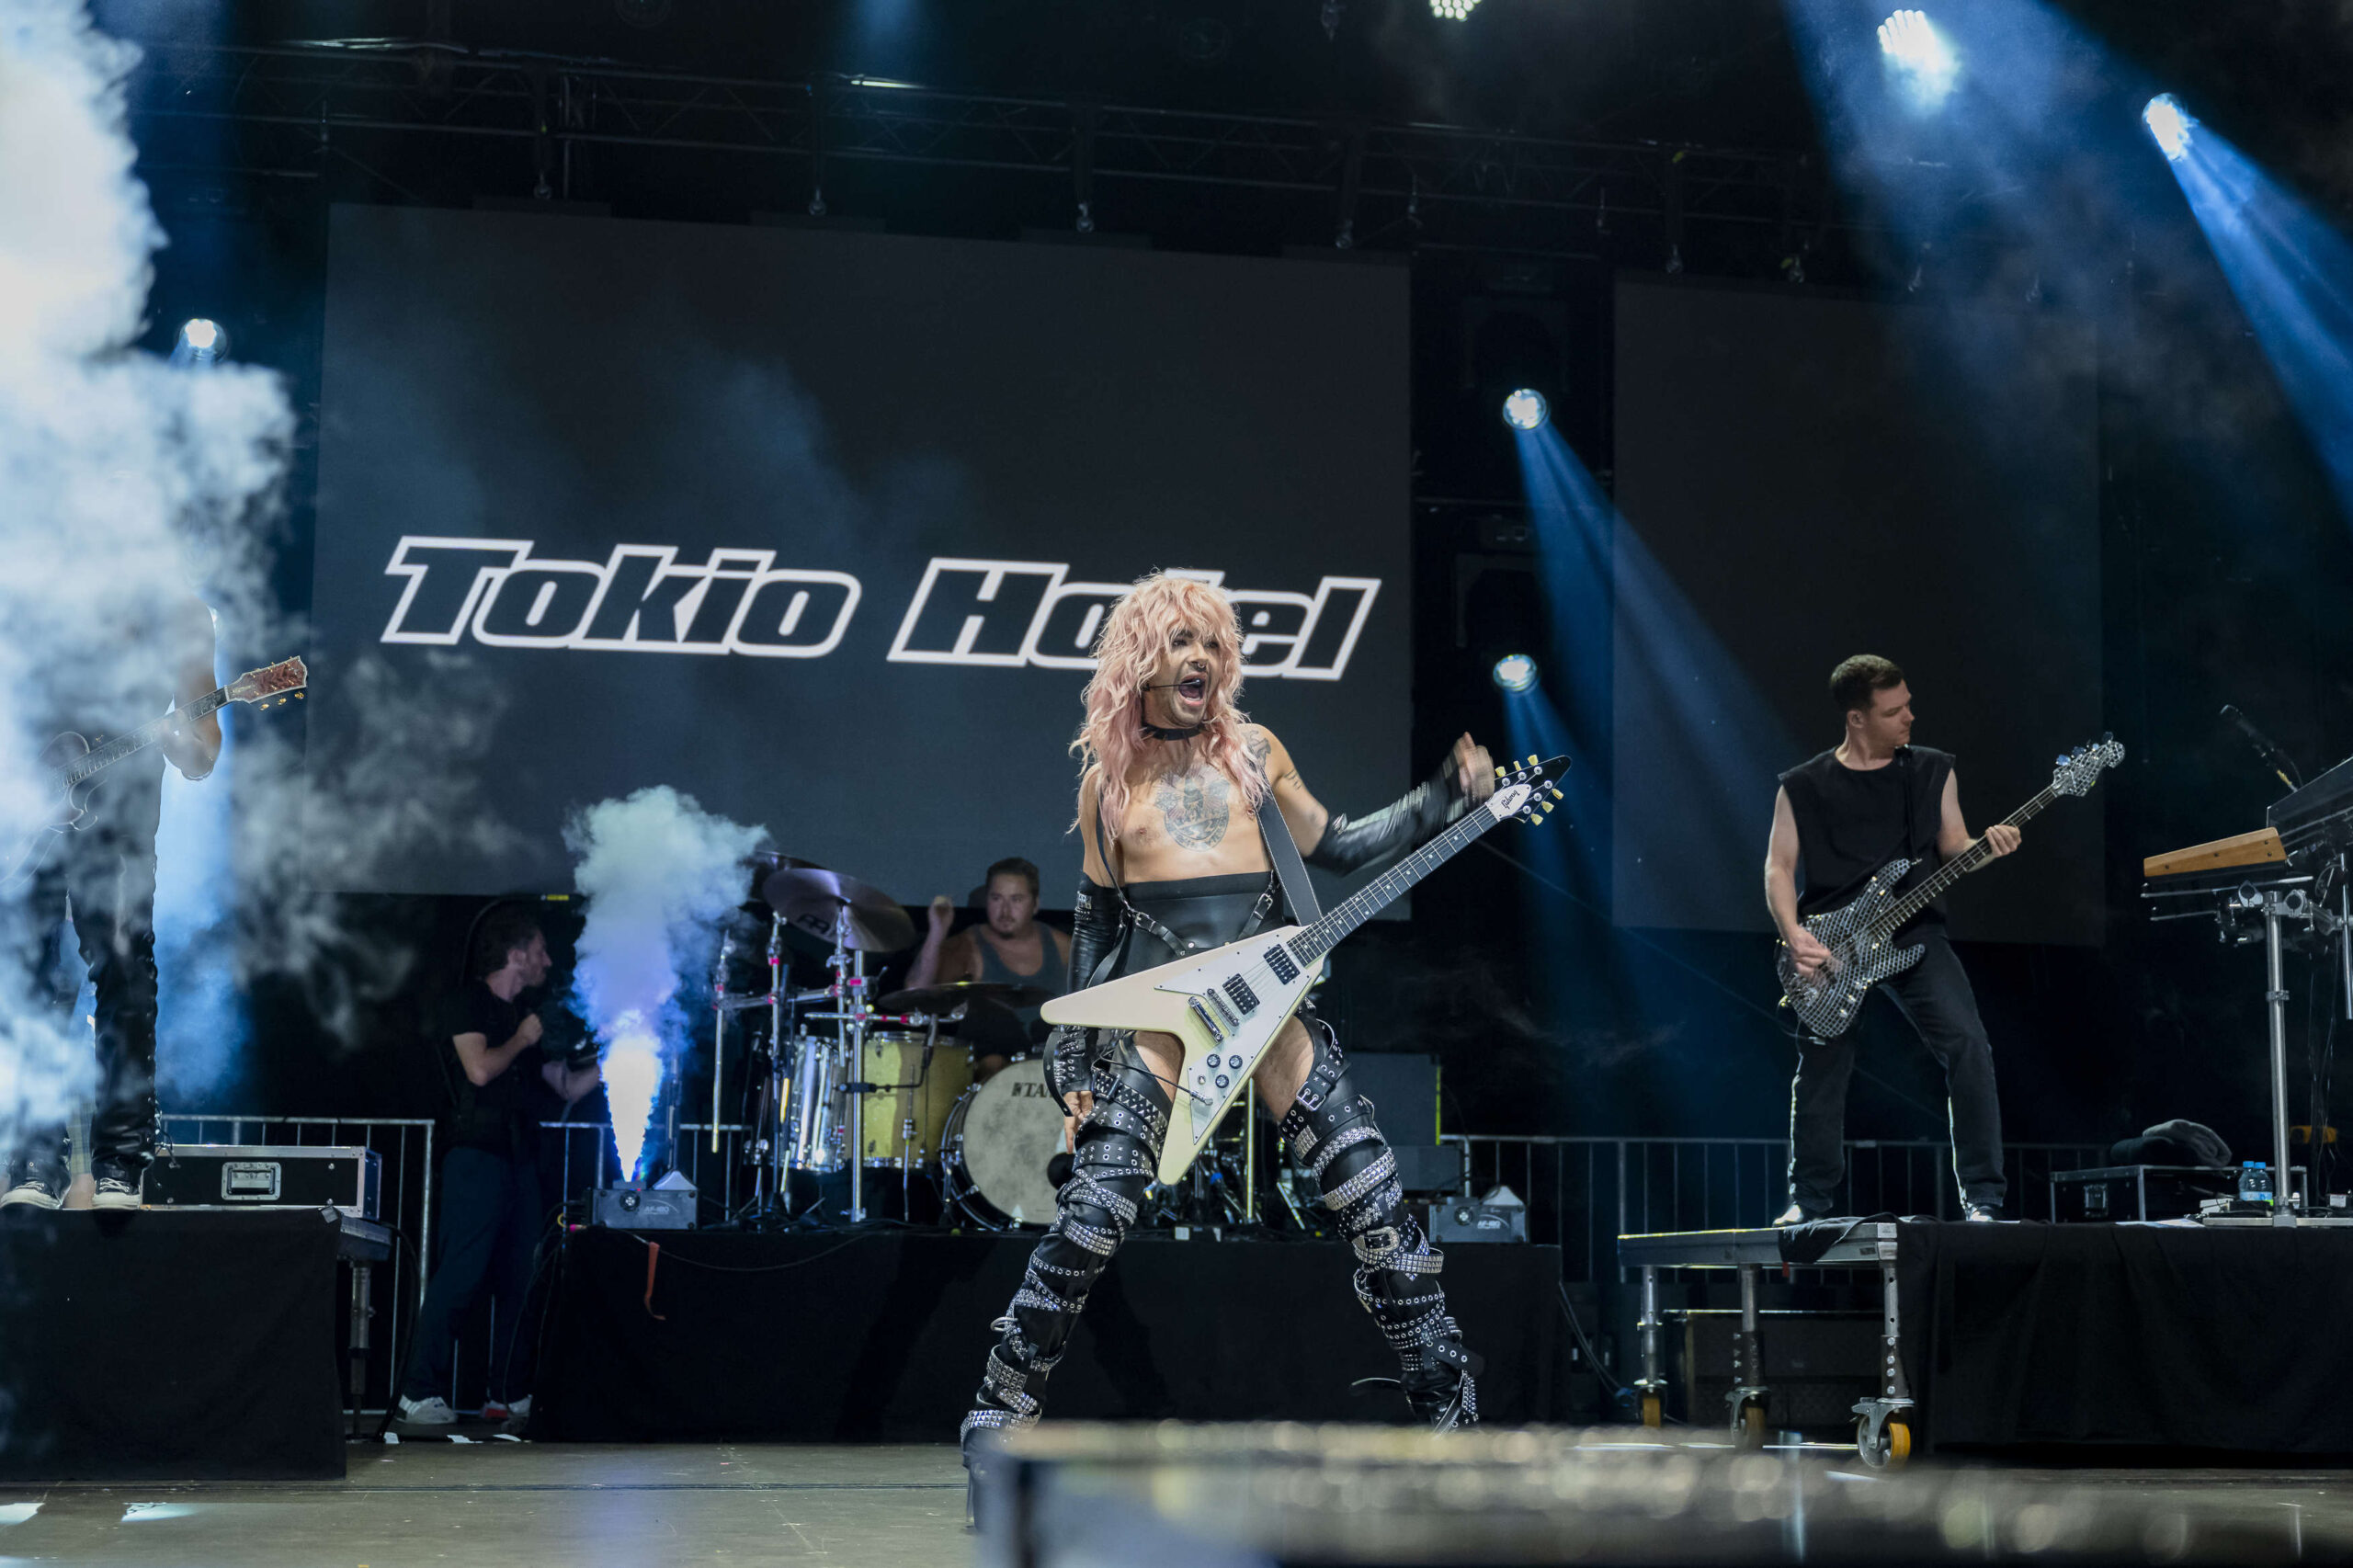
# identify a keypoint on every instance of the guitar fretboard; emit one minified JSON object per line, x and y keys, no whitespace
{"x":1322,"y":936}
{"x":147,"y":735}
{"x":1959,"y":866}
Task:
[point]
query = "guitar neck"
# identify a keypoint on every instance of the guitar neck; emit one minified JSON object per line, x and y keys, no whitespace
{"x":140,"y":739}
{"x":1322,"y":936}
{"x":1959,"y":866}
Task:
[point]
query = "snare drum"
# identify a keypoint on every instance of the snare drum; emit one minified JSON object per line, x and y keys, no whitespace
{"x":907,"y":1117}
{"x":998,"y":1139}
{"x":816,"y":1110}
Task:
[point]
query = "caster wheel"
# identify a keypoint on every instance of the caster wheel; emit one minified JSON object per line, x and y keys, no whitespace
{"x":1893,"y":1448}
{"x":1749,"y":1429}
{"x":1653,"y":1416}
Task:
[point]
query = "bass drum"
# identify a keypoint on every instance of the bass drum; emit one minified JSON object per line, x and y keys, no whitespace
{"x":998,"y":1142}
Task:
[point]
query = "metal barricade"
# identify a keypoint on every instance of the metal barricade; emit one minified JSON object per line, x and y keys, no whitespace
{"x":1583,"y":1193}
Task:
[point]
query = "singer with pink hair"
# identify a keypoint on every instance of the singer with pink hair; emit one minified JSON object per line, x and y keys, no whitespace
{"x":1178,"y":860}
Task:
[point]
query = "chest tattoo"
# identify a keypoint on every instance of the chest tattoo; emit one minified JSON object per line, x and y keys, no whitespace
{"x":1193,"y":807}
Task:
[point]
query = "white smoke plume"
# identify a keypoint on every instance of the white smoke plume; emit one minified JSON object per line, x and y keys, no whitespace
{"x":660,"y":875}
{"x":126,"y":485}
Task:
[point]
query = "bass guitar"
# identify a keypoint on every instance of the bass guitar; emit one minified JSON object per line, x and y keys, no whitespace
{"x":1860,"y":933}
{"x":74,"y":766}
{"x":1226,"y":1006}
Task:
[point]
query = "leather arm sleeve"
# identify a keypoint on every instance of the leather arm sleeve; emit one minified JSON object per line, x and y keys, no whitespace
{"x":1351,"y":842}
{"x":1094,"y":932}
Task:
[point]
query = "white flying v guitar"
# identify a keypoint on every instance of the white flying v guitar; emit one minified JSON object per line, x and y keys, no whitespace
{"x":1226,"y":1006}
{"x":71,"y":766}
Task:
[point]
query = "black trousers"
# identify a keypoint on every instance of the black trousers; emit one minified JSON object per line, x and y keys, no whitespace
{"x":102,"y":879}
{"x":1935,"y":999}
{"x":489,"y":1229}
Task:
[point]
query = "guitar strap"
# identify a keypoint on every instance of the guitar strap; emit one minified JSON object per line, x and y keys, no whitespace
{"x":1289,"y":869}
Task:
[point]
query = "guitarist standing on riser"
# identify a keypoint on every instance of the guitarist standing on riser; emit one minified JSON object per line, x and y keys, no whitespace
{"x":103,"y":876}
{"x":1174,"y":862}
{"x":1843,"y":816}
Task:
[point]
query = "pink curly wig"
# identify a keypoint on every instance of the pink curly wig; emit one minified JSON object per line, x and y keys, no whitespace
{"x":1134,"y":636}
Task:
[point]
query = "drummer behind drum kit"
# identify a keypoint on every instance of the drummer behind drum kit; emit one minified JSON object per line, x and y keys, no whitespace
{"x":889,"y":1080}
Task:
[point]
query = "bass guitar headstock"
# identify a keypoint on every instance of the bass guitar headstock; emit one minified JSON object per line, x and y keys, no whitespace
{"x":1525,"y":790}
{"x":2079,"y":769}
{"x":254,"y":685}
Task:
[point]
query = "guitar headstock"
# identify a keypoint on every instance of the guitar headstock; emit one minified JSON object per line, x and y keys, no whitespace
{"x":2079,"y":769}
{"x":287,"y":675}
{"x":1525,"y":790}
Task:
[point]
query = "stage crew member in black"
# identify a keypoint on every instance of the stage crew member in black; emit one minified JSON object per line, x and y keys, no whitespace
{"x":1841,"y":816}
{"x":1175,"y":862}
{"x":491,"y":1212}
{"x":102,"y":878}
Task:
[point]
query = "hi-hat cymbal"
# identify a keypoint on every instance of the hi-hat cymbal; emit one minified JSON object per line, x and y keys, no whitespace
{"x":956,"y":992}
{"x":812,"y":899}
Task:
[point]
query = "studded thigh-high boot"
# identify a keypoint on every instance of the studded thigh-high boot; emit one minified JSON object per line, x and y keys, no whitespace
{"x":1119,"y":1150}
{"x":1331,"y":1134}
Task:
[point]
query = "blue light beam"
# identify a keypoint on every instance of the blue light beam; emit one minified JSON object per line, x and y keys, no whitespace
{"x":2292,"y":273}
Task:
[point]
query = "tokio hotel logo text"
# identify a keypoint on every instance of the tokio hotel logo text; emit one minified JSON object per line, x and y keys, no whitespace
{"x":643,"y":599}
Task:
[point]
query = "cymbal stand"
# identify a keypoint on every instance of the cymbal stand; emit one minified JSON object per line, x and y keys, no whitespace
{"x":770,"y":1143}
{"x":852,"y":1012}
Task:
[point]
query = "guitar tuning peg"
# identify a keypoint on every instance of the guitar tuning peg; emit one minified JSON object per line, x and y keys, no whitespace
{"x":1558,"y":796}
{"x":1499,"y":771}
{"x":1534,"y":760}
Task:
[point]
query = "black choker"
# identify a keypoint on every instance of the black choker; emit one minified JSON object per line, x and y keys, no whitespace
{"x":1157,"y":733}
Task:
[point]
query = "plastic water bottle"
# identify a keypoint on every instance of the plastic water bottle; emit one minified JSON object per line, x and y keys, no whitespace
{"x":2255,"y":1182}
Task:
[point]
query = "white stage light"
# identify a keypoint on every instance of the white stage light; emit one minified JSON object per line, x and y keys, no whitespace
{"x":1914,"y":47}
{"x":2170,"y":124}
{"x":1515,"y":672}
{"x":201,"y":342}
{"x":1452,"y":10}
{"x":1526,"y":409}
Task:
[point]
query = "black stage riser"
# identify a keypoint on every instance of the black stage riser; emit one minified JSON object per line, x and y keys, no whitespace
{"x":880,"y":1336}
{"x":2136,"y":1336}
{"x":159,"y":1345}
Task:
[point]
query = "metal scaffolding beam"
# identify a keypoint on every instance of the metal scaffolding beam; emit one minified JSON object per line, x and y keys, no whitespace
{"x":305,"y":97}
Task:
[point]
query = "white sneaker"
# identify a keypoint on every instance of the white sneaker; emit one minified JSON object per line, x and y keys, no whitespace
{"x":520,"y":1410}
{"x":113,"y":1192}
{"x":433,"y":1412}
{"x":30,"y":1193}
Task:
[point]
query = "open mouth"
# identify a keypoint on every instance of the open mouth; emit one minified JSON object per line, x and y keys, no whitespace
{"x":1193,"y":688}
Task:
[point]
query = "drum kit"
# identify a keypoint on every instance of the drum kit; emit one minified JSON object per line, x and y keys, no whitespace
{"x":884,"y":1091}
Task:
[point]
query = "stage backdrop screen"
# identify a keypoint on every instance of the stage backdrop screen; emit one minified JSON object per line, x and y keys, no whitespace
{"x":1800,"y":478}
{"x":818,"y":525}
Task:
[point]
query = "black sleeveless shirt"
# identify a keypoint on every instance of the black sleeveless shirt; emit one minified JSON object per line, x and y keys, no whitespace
{"x":1853,"y":821}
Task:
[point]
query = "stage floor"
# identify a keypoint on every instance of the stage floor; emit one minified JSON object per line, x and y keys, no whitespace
{"x":499,"y":1504}
{"x":598,"y":1505}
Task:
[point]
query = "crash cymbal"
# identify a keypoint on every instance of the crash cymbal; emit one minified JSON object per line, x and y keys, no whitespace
{"x":810,"y":898}
{"x":955,"y":994}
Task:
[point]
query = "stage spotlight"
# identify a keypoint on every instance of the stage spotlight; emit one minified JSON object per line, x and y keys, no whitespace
{"x":1914,"y":47}
{"x":1515,"y":672}
{"x":1452,"y":10}
{"x":201,"y":342}
{"x":1526,"y":409}
{"x":2170,"y":124}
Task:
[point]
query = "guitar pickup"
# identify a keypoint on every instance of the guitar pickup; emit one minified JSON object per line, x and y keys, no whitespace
{"x":1217,"y":1032}
{"x":1243,"y":997}
{"x":1279,"y":960}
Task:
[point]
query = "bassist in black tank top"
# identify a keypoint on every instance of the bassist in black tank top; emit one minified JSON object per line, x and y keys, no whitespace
{"x":1839,"y":817}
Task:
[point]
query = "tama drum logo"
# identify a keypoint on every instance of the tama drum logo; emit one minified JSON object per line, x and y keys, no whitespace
{"x":1029,"y":1091}
{"x":643,"y":599}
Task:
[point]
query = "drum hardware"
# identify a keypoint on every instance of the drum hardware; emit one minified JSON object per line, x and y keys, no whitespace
{"x":939,"y":1001}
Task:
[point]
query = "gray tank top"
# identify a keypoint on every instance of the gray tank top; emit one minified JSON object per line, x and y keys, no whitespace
{"x":1051,"y":975}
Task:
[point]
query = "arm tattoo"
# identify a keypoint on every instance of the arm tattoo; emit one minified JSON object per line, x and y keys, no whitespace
{"x":1193,"y":807}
